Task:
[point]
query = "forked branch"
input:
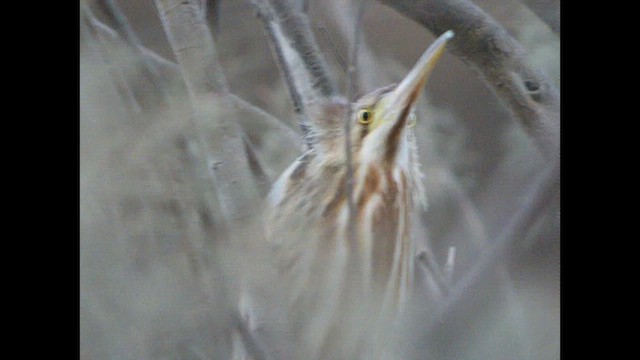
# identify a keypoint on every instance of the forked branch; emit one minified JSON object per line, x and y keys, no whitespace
{"x":258,"y":123}
{"x":297,"y":54}
{"x":485,"y":45}
{"x":104,"y":39}
{"x":229,"y":158}
{"x":124,"y":29}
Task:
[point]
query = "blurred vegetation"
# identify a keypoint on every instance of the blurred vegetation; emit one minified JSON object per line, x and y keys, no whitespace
{"x":151,"y":233}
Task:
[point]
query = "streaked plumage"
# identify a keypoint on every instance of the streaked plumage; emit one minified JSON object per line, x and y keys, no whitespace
{"x":332,"y":282}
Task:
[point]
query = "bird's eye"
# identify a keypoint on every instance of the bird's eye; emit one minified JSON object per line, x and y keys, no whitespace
{"x":412,"y":120}
{"x":364,"y":117}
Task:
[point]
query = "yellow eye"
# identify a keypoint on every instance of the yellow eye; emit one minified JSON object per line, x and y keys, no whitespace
{"x":365,"y":117}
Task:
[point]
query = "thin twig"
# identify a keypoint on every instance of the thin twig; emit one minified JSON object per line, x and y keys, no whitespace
{"x":337,"y":56}
{"x":485,"y":45}
{"x":116,"y":17}
{"x":286,"y":135}
{"x":476,"y":234}
{"x":285,"y":70}
{"x":469,"y":221}
{"x":260,"y":177}
{"x":125,"y":30}
{"x":255,"y":129}
{"x":296,"y":28}
{"x":372,"y":73}
{"x":105,"y":47}
{"x":297,"y":55}
{"x":543,"y":192}
{"x":351,"y":81}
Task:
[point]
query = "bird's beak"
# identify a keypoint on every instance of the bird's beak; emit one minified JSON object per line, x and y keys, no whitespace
{"x":396,"y":106}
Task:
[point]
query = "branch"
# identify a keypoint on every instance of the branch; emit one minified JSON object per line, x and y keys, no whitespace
{"x":469,"y":219}
{"x":267,"y":122}
{"x":116,"y":17}
{"x":255,"y":122}
{"x":371,"y":72}
{"x":297,"y":31}
{"x":351,"y":84}
{"x":297,"y":55}
{"x":105,"y":41}
{"x":543,"y":192}
{"x":483,"y":44}
{"x":125,"y":31}
{"x":548,"y":11}
{"x":468,"y":226}
{"x":260,"y":177}
{"x":208,"y":92}
{"x":169,"y":70}
{"x":193,"y":46}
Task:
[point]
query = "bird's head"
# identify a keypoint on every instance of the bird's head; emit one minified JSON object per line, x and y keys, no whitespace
{"x":379,"y":120}
{"x":385,"y":186}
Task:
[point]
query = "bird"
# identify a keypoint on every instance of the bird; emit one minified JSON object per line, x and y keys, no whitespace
{"x":333,"y":277}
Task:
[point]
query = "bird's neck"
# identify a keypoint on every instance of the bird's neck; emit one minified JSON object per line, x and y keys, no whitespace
{"x":385,"y":200}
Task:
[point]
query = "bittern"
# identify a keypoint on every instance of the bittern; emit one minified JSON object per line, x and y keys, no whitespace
{"x":330,"y":274}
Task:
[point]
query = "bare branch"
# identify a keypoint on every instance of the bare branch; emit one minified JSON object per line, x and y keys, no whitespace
{"x":483,"y":44}
{"x":333,"y":48}
{"x":542,"y":193}
{"x":106,"y":41}
{"x":267,"y":122}
{"x":369,"y":66}
{"x":351,"y":81}
{"x":125,"y":31}
{"x":468,"y":226}
{"x":548,"y":11}
{"x":168,"y":71}
{"x":260,"y":177}
{"x":255,"y":129}
{"x":120,"y":23}
{"x":298,"y":56}
{"x":471,"y":227}
{"x":194,"y":48}
{"x":296,"y":30}
{"x":469,"y":221}
{"x":294,"y":93}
